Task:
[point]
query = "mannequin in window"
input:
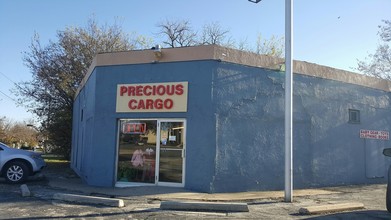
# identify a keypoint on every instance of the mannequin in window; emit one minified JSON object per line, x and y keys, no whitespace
{"x":138,"y":162}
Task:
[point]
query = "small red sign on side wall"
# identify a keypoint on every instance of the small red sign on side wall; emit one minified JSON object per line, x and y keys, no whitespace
{"x":372,"y":134}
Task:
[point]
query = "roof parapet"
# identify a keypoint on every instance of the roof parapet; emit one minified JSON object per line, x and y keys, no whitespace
{"x":215,"y":52}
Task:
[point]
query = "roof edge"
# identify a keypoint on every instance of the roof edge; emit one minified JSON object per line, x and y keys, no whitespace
{"x":215,"y":52}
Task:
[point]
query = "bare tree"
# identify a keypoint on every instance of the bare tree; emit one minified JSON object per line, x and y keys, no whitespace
{"x":379,"y":63}
{"x":274,"y":46}
{"x":213,"y":33}
{"x":243,"y":45}
{"x":4,"y":127}
{"x":177,"y":33}
{"x":17,"y":133}
{"x":180,"y":33}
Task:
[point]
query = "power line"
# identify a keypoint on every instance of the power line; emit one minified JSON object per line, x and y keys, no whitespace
{"x":7,"y":77}
{"x":7,"y":96}
{"x":15,"y":84}
{"x":4,"y":94}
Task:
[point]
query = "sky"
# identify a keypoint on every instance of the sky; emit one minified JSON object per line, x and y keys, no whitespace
{"x":333,"y":33}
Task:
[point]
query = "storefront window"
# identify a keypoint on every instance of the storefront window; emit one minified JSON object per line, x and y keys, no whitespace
{"x":151,"y":151}
{"x":137,"y":151}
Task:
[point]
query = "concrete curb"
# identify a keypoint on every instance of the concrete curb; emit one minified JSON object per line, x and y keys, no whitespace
{"x":89,"y":200}
{"x":25,"y":190}
{"x":236,"y":197}
{"x":204,"y":206}
{"x":319,"y":209}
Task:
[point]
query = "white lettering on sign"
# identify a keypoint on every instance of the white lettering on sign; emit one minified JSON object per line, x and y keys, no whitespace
{"x":152,"y":97}
{"x":371,"y":134}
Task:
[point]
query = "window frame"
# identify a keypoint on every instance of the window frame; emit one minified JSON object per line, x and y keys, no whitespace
{"x":354,"y":116}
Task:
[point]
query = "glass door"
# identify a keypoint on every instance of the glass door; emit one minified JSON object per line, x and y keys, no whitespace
{"x":171,"y":152}
{"x":136,"y":152}
{"x":151,"y":151}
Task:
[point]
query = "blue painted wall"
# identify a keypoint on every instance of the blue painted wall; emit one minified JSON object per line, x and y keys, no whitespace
{"x":235,"y":127}
{"x":101,"y":152}
{"x":83,"y":132}
{"x":327,"y":148}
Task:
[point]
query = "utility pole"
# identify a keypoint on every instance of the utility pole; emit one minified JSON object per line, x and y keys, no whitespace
{"x":288,"y":99}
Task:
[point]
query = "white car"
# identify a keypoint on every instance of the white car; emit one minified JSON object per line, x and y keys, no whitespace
{"x":16,"y":165}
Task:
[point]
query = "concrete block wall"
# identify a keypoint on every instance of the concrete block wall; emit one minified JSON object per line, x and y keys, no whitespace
{"x":328,"y":150}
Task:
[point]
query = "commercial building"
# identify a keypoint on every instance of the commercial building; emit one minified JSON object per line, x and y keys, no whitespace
{"x":211,"y":119}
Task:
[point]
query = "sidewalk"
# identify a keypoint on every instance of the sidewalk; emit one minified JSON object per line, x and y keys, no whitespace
{"x":60,"y":190}
{"x":305,"y":201}
{"x":147,"y":202}
{"x":62,"y":177}
{"x":172,"y":193}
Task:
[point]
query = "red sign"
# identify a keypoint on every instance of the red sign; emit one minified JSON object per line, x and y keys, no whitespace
{"x":371,"y":134}
{"x":134,"y":128}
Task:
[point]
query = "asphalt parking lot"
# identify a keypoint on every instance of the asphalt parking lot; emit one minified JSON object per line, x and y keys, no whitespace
{"x":144,"y":202}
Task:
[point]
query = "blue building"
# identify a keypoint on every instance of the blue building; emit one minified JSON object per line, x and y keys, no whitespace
{"x":211,"y":119}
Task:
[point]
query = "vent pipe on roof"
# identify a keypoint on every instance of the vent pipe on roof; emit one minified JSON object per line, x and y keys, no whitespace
{"x":157,"y":50}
